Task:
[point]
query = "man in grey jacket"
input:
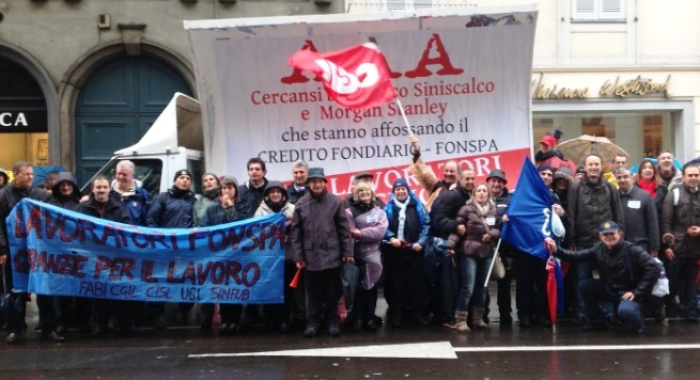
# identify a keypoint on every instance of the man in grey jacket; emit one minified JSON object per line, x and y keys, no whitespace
{"x":641,"y":219}
{"x":321,"y":240}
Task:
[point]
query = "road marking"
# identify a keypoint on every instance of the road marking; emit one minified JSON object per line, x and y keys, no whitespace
{"x":432,"y":350}
{"x":580,"y":348}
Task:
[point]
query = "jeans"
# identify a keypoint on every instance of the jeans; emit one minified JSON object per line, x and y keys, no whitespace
{"x":594,"y":294}
{"x":473,"y":270}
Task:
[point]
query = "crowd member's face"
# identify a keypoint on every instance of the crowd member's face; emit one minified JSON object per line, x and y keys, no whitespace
{"x":125,"y":177}
{"x":624,"y":180}
{"x":183,"y":182}
{"x":209,"y":182}
{"x":255,"y":172}
{"x":468,"y":179}
{"x":691,"y":177}
{"x":496,"y":185}
{"x":100,"y":188}
{"x":561,"y":184}
{"x":316,"y":186}
{"x":481,"y":194}
{"x":544,"y":148}
{"x":593,"y":167}
{"x":610,"y":239}
{"x":2,"y":180}
{"x":620,"y":162}
{"x":365,"y":195}
{"x":229,"y":192}
{"x":647,"y":171}
{"x":547,"y":177}
{"x":52,"y":178}
{"x":579,"y":176}
{"x":65,"y":189}
{"x":300,"y":175}
{"x":450,"y":173}
{"x":665,"y":161}
{"x":24,"y":178}
{"x":401,"y":193}
{"x":275,"y":195}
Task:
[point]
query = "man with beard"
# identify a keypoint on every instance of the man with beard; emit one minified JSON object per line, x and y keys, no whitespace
{"x":20,"y":188}
{"x":592,"y":201}
{"x":427,"y":179}
{"x":442,"y":266}
{"x":101,"y":205}
{"x":173,"y":209}
{"x":321,"y":239}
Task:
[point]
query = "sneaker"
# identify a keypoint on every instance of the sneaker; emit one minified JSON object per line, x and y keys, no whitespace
{"x":310,"y":331}
{"x":12,"y":338}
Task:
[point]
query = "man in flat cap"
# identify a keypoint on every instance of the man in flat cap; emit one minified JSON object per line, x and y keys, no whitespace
{"x":627,"y":275}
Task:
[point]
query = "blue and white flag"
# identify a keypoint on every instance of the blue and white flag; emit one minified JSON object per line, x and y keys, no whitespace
{"x":529,"y":213}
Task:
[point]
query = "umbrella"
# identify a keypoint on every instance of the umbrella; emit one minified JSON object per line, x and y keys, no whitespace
{"x":552,"y":290}
{"x":579,"y":148}
{"x":676,"y":163}
{"x":41,"y":173}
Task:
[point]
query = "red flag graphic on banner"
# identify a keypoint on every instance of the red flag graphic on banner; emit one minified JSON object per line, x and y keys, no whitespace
{"x":357,"y":77}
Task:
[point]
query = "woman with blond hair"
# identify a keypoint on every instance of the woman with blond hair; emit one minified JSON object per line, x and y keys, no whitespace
{"x":474,"y":251}
{"x":368,"y":224}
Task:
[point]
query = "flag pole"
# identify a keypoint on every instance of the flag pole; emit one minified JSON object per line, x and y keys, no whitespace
{"x":493,"y":262}
{"x":403,"y":114}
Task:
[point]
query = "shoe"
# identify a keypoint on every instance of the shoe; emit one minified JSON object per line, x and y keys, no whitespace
{"x":161,"y":323}
{"x":614,"y":321}
{"x":450,"y":325}
{"x":461,"y":322}
{"x":593,"y":327}
{"x":478,"y":321}
{"x":373,"y":325}
{"x":228,"y":328}
{"x":12,"y":338}
{"x":423,"y":320}
{"x":334,"y":330}
{"x":310,"y":331}
{"x":53,"y":337}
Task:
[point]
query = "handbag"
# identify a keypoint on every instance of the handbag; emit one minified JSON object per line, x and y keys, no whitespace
{"x":499,"y":270}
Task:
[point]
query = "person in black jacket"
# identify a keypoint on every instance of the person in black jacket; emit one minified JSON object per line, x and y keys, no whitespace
{"x":627,"y":275}
{"x":20,"y":188}
{"x":297,"y":189}
{"x":103,"y":206}
{"x":173,"y":209}
{"x":253,"y":191}
{"x":443,"y":224}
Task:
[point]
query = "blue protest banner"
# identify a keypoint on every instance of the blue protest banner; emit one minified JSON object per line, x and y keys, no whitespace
{"x":60,"y":252}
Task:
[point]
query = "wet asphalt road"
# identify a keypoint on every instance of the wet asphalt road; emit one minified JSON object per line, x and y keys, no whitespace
{"x":500,"y":353}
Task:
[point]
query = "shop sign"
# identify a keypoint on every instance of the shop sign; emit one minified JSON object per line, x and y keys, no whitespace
{"x":23,"y":121}
{"x":620,"y":88}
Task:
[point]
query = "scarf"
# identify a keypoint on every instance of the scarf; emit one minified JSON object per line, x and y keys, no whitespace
{"x":402,"y":216}
{"x":211,"y":193}
{"x":649,"y":187}
{"x":275,"y":206}
{"x":482,"y":211}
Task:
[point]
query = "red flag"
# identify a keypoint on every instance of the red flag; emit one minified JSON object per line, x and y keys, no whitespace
{"x":552,"y":289}
{"x":357,"y":77}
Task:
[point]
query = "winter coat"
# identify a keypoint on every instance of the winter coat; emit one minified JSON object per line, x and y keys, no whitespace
{"x":554,"y":159}
{"x":416,"y":225}
{"x":172,"y":209}
{"x":320,"y":232}
{"x":10,"y":195}
{"x":624,"y":268}
{"x":372,"y":225}
{"x":288,"y":212}
{"x":590,"y":205}
{"x":114,"y":211}
{"x":137,"y":202}
{"x":294,"y":194}
{"x":202,"y":204}
{"x":445,"y":211}
{"x":470,"y":244}
{"x":676,"y":218}
{"x":641,"y":220}
{"x":216,"y":215}
{"x":252,"y":196}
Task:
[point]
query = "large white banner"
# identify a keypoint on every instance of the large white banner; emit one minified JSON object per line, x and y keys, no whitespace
{"x":463,"y":77}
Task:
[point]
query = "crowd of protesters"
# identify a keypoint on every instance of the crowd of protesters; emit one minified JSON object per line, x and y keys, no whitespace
{"x":430,"y":257}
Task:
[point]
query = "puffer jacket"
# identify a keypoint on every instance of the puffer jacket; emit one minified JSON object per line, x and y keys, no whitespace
{"x":676,"y":218}
{"x":624,"y":268}
{"x":172,"y":209}
{"x":372,"y":225}
{"x":590,"y":205}
{"x":320,"y":232}
{"x":471,"y":244}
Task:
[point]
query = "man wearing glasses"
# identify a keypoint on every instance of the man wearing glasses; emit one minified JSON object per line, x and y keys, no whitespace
{"x":20,"y":188}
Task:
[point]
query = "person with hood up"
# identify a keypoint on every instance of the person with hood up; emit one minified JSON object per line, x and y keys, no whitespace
{"x":210,"y":192}
{"x":4,"y":178}
{"x":406,"y":238}
{"x":276,"y":199}
{"x":226,"y":209}
{"x":368,"y":225}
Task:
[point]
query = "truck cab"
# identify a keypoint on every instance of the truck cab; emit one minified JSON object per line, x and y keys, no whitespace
{"x":174,"y":141}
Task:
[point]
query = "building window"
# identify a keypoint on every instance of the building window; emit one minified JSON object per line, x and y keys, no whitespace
{"x":598,"y":10}
{"x":407,"y":5}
